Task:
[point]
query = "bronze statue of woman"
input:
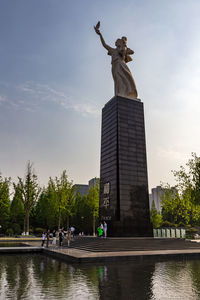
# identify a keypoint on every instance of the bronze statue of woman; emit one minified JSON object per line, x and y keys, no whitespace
{"x":123,"y":79}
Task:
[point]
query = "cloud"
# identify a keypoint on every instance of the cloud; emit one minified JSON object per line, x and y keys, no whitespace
{"x":2,"y":99}
{"x":171,"y":154}
{"x":30,"y":96}
{"x":86,"y":109}
{"x":46,"y":93}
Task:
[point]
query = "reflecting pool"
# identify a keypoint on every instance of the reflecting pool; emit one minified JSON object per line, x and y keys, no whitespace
{"x":34,"y":276}
{"x":11,"y":244}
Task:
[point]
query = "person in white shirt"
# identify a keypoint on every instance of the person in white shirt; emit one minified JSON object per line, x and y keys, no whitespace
{"x":72,"y":231}
{"x":105,"y":228}
{"x":43,"y":239}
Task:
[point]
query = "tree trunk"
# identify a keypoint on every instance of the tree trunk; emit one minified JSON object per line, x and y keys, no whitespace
{"x":59,"y":215}
{"x":94,"y":225}
{"x":67,"y":221}
{"x":27,"y":222}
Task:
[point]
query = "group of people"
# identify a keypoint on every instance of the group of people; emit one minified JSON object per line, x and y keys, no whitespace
{"x":102,"y":229}
{"x":61,"y":235}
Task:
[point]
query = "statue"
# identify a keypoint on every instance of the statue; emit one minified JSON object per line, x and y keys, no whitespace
{"x":123,"y":79}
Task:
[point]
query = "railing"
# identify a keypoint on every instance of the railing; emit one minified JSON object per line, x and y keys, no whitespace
{"x":169,"y":233}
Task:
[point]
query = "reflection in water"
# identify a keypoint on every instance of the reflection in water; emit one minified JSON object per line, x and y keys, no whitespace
{"x":126,"y":281}
{"x":39,"y":277}
{"x":176,"y":280}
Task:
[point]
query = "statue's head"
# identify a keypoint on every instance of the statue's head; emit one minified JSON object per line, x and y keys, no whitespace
{"x":121,"y":42}
{"x":118,"y":43}
{"x":124,"y":39}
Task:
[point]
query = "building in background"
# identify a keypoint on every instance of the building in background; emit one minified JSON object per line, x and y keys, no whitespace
{"x":156,"y":195}
{"x":83,"y":189}
{"x":92,"y":182}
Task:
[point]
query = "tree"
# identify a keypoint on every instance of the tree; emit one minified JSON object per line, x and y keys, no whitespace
{"x":176,"y":207}
{"x":82,"y":217}
{"x":46,"y":209}
{"x":4,"y":202}
{"x":155,"y":217}
{"x":17,"y":210}
{"x":189,"y":179}
{"x":93,"y":203}
{"x":69,"y":204}
{"x":30,"y":190}
{"x":182,"y":206}
{"x":63,"y":192}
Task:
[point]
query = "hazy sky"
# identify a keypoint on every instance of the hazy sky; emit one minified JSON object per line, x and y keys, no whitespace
{"x":55,"y":77}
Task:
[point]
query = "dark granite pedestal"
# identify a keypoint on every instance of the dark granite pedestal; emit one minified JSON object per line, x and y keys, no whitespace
{"x":124,"y":200}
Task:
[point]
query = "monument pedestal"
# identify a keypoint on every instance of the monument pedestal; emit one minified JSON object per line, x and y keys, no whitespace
{"x":124,"y":198}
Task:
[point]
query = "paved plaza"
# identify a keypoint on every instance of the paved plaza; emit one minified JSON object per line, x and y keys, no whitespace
{"x":92,"y":249}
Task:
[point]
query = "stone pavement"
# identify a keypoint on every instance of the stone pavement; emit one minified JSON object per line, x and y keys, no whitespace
{"x":89,"y":249}
{"x":93,"y":249}
{"x":94,"y":244}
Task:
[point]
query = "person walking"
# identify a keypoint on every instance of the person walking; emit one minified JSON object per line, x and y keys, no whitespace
{"x":54,"y":238}
{"x":48,"y":236}
{"x":105,"y":227}
{"x":100,"y":230}
{"x":60,"y":235}
{"x":43,"y":239}
{"x":68,"y":237}
{"x":72,"y":231}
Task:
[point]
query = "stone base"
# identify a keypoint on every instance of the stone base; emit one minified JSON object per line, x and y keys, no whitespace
{"x":124,"y":199}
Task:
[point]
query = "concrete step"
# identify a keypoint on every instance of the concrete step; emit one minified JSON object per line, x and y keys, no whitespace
{"x":130,"y":244}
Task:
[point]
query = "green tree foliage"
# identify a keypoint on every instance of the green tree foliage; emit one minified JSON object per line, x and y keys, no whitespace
{"x":189,"y":178}
{"x":4,"y":203}
{"x":17,"y":212}
{"x":53,"y":205}
{"x":46,"y":209}
{"x":155,"y":217}
{"x":93,"y":202}
{"x":176,"y":207}
{"x":70,"y":203}
{"x":82,"y":217}
{"x":63,"y":192}
{"x":30,"y":190}
{"x":182,"y":206}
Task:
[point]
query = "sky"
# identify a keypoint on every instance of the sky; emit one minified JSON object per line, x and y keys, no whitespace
{"x":55,"y":78}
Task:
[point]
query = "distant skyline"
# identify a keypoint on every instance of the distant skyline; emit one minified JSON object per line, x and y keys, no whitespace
{"x":56,"y":77}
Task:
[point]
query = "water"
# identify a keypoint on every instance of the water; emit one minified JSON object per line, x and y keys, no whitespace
{"x":12,"y":244}
{"x":36,"y":276}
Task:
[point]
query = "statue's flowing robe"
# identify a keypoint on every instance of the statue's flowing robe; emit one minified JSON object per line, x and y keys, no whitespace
{"x":123,"y":79}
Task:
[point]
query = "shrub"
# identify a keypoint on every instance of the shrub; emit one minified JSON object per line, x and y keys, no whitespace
{"x":181,"y":224}
{"x":39,"y":230}
{"x":168,"y":224}
{"x":9,"y":231}
{"x":16,"y":228}
{"x":190,"y":233}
